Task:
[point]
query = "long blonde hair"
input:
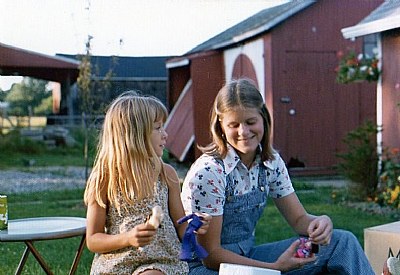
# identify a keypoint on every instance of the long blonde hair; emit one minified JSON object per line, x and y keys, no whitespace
{"x":126,"y":161}
{"x":241,"y":93}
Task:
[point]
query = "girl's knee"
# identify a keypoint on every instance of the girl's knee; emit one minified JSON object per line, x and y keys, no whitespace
{"x":343,"y":234}
{"x":152,"y":272}
{"x":344,"y":237}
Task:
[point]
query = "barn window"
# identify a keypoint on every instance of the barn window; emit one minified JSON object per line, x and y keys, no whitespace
{"x":370,"y":43}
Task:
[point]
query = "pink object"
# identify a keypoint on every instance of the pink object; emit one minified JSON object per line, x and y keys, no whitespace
{"x":304,"y":249}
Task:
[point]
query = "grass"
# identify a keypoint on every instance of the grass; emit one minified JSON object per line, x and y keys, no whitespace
{"x":59,"y":253}
{"x":20,"y":152}
{"x":319,"y":201}
{"x":57,"y":157}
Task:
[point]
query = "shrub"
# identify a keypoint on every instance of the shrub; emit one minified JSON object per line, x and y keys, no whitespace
{"x":360,"y":163}
{"x":79,"y":134}
{"x":389,"y":180}
{"x":14,"y":142}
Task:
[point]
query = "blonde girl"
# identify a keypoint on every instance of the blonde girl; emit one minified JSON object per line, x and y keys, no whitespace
{"x":128,"y":179}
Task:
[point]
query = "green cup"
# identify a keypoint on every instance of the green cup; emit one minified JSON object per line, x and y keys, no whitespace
{"x":3,"y":212}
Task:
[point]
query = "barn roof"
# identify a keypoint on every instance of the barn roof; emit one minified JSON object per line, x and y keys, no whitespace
{"x":128,"y":68}
{"x":383,"y":18}
{"x":253,"y":26}
{"x":17,"y":61}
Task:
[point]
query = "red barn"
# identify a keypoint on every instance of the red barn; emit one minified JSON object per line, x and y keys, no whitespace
{"x":290,"y":51}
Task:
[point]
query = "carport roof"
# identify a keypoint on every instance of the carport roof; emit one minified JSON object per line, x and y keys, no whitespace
{"x":16,"y":61}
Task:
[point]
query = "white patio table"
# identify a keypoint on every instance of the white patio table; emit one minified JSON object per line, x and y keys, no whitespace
{"x":44,"y":229}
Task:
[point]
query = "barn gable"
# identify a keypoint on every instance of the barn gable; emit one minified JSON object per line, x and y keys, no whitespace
{"x":257,"y":24}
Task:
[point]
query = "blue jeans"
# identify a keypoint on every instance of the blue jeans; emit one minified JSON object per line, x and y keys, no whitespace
{"x":343,"y":255}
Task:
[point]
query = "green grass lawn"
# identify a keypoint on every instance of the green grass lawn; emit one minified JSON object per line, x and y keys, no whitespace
{"x":17,"y":151}
{"x":59,"y":254}
{"x":273,"y":227}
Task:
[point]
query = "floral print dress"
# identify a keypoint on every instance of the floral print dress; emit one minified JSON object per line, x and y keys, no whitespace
{"x":161,"y":254}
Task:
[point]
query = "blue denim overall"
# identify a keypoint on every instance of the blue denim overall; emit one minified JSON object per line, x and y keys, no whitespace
{"x":241,"y":213}
{"x":343,"y":255}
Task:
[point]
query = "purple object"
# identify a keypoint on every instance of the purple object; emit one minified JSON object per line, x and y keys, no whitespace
{"x":190,"y":247}
{"x":306,"y":248}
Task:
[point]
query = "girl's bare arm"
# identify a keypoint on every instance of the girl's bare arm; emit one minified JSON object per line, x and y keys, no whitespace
{"x":98,"y":241}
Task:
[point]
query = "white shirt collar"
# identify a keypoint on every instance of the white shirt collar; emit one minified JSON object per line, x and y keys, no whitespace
{"x":232,"y":159}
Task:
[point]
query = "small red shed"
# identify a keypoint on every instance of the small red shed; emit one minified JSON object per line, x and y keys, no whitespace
{"x":290,"y":51}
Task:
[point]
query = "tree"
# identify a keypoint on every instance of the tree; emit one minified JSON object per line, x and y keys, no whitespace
{"x":91,"y":88}
{"x":25,"y":97}
{"x":85,"y":78}
{"x":2,"y":95}
{"x":91,"y":93}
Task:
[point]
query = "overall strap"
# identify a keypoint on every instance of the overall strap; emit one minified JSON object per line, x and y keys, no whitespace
{"x":230,"y":185}
{"x":262,"y":179}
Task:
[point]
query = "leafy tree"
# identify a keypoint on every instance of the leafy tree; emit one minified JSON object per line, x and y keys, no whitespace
{"x":84,"y":79}
{"x":91,"y":88}
{"x":45,"y":106}
{"x":91,"y":93}
{"x":2,"y":95}
{"x":26,"y":96}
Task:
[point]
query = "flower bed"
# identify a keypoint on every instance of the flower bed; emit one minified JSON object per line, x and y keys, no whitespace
{"x":389,"y":191}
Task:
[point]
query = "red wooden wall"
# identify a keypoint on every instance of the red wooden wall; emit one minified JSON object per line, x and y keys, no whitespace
{"x":312,"y":113}
{"x":207,"y":74}
{"x":391,"y":88}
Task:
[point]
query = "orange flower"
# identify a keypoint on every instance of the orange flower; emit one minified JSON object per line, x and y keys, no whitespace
{"x":394,"y":194}
{"x":395,"y":151}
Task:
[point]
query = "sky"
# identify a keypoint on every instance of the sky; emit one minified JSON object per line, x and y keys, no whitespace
{"x":119,"y":27}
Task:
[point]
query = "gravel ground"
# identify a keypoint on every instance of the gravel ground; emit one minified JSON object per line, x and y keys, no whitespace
{"x":36,"y":179}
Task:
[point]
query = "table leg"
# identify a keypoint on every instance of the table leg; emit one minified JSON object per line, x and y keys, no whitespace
{"x":77,"y":256}
{"x":39,"y":258}
{"x":22,"y":261}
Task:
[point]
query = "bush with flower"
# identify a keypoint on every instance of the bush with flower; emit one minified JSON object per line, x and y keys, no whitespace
{"x":389,"y":190}
{"x":354,"y":68}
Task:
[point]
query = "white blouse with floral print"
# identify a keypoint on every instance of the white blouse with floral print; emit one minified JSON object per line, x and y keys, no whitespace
{"x":204,"y":186}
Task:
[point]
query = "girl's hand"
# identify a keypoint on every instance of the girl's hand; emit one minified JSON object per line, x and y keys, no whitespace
{"x":320,"y":230}
{"x":205,"y":219}
{"x":141,"y":235}
{"x":288,"y":260}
